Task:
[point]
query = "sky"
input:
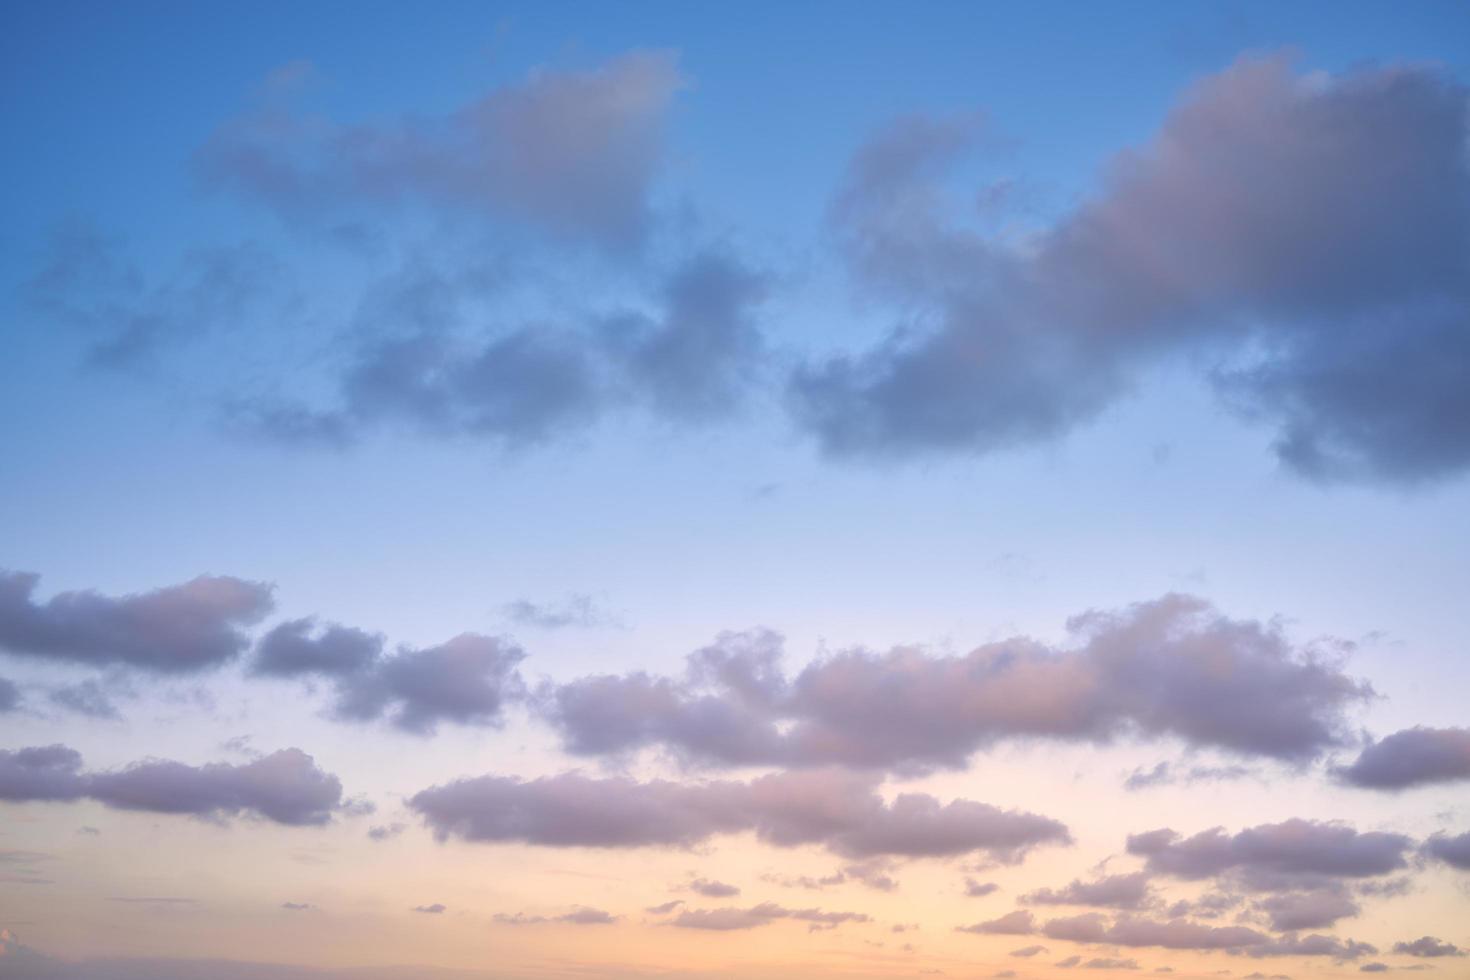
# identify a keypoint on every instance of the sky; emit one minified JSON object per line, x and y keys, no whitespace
{"x":662,"y":490}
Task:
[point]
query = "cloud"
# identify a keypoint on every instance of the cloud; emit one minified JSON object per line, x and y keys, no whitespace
{"x":977,"y":889}
{"x":297,"y":906}
{"x":1413,"y":757}
{"x":1029,"y":951}
{"x":1314,"y":945}
{"x":1125,"y":891}
{"x":290,"y":650}
{"x":467,"y":680}
{"x":176,"y":629}
{"x":580,"y":916}
{"x":9,"y":695}
{"x":1373,"y":968}
{"x":713,"y":889}
{"x":570,"y":153}
{"x":1094,"y":927}
{"x":729,"y":919}
{"x":88,"y":698}
{"x":689,"y":357}
{"x":576,"y":611}
{"x":1017,"y":923}
{"x":1172,"y":667}
{"x":1307,"y":910}
{"x":1292,"y":851}
{"x":1320,"y":222}
{"x":86,"y":283}
{"x":286,"y":786}
{"x":436,"y":909}
{"x":1109,"y":963}
{"x":1069,"y":962}
{"x":1428,"y":946}
{"x":665,"y":908}
{"x":1169,"y":774}
{"x":386,"y":831}
{"x":838,"y":810}
{"x":1454,"y":851}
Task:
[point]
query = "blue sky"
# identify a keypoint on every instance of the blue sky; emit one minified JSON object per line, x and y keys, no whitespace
{"x":871,"y":326}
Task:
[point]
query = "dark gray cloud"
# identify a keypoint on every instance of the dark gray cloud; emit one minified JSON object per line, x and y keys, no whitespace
{"x":572,"y":153}
{"x":175,"y":629}
{"x":689,"y":357}
{"x":1428,"y":946}
{"x":1172,"y":667}
{"x":1454,"y":851}
{"x":727,"y":919}
{"x":296,"y":647}
{"x":1125,"y":891}
{"x":837,"y":809}
{"x":10,"y":697}
{"x":286,"y":786}
{"x":1413,"y":757}
{"x":1017,"y":923}
{"x":1321,"y":222}
{"x":1271,"y":854}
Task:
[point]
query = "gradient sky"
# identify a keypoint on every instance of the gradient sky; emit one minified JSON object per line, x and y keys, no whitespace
{"x":672,"y":490}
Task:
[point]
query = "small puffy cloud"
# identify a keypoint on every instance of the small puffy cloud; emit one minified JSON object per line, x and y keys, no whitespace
{"x":1373,"y":968}
{"x":729,"y":919}
{"x":286,"y":786}
{"x":297,"y":906}
{"x":1125,"y":891}
{"x":1413,"y":757}
{"x":1169,"y":774}
{"x":1069,"y":962}
{"x":176,"y":629}
{"x":713,"y":889}
{"x":1017,"y":923}
{"x":296,"y":647}
{"x":1428,"y":946}
{"x":1315,"y":944}
{"x":1028,"y":951}
{"x":1110,"y":963}
{"x":382,"y":832}
{"x":837,"y":809}
{"x":1292,"y":848}
{"x":467,"y":680}
{"x":665,"y":908}
{"x":437,"y":908}
{"x":979,"y":889}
